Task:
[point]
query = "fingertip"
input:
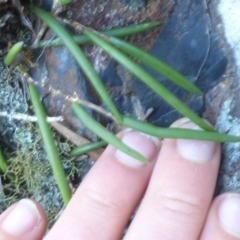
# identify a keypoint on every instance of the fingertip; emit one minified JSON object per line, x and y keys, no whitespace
{"x":223,"y":218}
{"x":178,"y":123}
{"x":187,"y":123}
{"x":144,"y":144}
{"x":194,"y":150}
{"x":229,"y":213}
{"x":25,"y":219}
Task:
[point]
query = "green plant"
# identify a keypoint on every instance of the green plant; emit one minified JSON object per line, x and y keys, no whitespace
{"x":50,"y":145}
{"x":106,"y":43}
{"x":123,"y":52}
{"x":82,"y":39}
{"x":85,"y":148}
{"x":13,"y":52}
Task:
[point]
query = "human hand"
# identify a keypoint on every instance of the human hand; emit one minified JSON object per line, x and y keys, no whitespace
{"x":177,"y":188}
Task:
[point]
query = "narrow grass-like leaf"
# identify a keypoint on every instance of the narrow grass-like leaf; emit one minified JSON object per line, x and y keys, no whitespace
{"x":85,"y":148}
{"x":79,"y":56}
{"x":3,"y":164}
{"x":177,"y":132}
{"x":64,"y":2}
{"x":147,"y":79}
{"x":103,"y":133}
{"x":155,"y":63}
{"x":116,"y":32}
{"x":13,"y":52}
{"x":49,"y":144}
{"x":4,"y":167}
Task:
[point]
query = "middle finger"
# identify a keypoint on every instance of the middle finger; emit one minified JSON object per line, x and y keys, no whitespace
{"x":180,"y":190}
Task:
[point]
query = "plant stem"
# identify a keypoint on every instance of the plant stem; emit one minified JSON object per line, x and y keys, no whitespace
{"x":81,"y":59}
{"x":82,"y":39}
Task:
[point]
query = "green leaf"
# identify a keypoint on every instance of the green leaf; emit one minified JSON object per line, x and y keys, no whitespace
{"x":155,"y":63}
{"x":3,"y":164}
{"x":117,"y":32}
{"x":177,"y":132}
{"x":148,"y":80}
{"x":13,"y":52}
{"x":85,"y":148}
{"x":103,"y":133}
{"x":64,"y":2}
{"x":49,"y":144}
{"x":79,"y":56}
{"x":4,"y":167}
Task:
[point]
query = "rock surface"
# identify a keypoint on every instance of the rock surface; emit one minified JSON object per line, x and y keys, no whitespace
{"x":57,"y":68}
{"x":190,"y":44}
{"x":198,"y":38}
{"x":191,"y":39}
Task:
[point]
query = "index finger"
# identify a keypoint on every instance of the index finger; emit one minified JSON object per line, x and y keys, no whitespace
{"x":104,"y":202}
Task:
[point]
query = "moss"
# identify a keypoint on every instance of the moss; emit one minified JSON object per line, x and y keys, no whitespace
{"x":21,"y":141}
{"x":33,"y":174}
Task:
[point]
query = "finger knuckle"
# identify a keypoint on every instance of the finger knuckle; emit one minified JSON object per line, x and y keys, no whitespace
{"x":102,"y":200}
{"x":178,"y":203}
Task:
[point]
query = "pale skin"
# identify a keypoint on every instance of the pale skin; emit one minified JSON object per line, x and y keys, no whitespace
{"x":175,"y":188}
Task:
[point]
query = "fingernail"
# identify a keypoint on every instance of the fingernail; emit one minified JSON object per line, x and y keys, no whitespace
{"x":146,"y":145}
{"x":194,"y":150}
{"x":229,"y":213}
{"x":22,"y":219}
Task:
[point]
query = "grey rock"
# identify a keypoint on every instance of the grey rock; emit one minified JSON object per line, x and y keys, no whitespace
{"x":135,"y":3}
{"x":189,"y":44}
